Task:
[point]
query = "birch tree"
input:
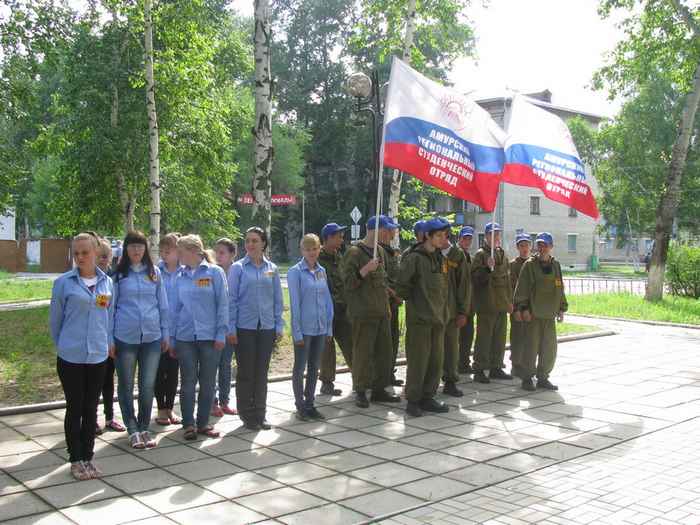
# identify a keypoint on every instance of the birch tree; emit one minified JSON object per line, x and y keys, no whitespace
{"x":153,"y":155}
{"x":661,"y":40}
{"x":262,"y":129}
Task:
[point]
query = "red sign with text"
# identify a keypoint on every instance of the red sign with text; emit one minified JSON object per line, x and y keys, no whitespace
{"x":277,"y":200}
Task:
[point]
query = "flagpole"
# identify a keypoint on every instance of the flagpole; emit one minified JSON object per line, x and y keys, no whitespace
{"x":493,"y":236}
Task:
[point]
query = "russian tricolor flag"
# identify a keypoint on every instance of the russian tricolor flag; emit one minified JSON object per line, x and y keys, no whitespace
{"x":437,"y":135}
{"x":540,"y":153}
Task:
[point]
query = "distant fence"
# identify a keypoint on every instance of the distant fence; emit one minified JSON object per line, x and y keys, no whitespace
{"x":592,"y":285}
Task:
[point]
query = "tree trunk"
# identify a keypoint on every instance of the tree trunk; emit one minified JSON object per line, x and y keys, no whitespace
{"x":153,"y":155}
{"x":397,"y":176}
{"x":262,"y":131}
{"x":668,"y":204}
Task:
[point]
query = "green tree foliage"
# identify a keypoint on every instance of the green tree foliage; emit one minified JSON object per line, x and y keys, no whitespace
{"x":683,"y":270}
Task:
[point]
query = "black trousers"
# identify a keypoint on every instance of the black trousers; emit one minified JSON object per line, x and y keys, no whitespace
{"x":108,"y":390}
{"x":81,"y":384}
{"x":253,"y":354}
{"x":166,"y":381}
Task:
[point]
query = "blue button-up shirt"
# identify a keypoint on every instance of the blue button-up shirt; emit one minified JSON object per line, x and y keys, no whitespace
{"x":169,"y":283}
{"x":255,"y":296}
{"x":140,"y":307}
{"x":310,"y":301}
{"x":80,"y":321}
{"x":201,"y":304}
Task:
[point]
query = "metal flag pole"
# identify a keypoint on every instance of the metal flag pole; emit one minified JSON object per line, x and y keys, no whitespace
{"x":493,"y":237}
{"x":380,"y":160}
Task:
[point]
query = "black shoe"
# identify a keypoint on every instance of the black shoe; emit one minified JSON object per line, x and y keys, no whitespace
{"x":265,"y":424}
{"x":498,"y":373}
{"x":396,"y":382}
{"x":546,"y":385}
{"x":465,"y":369}
{"x":314,"y":414}
{"x":528,"y":384}
{"x":431,"y":405}
{"x":329,"y":389}
{"x":413,"y":409}
{"x":302,"y":415}
{"x":251,"y":425}
{"x":382,"y":396}
{"x":451,"y":390}
{"x":480,"y":377}
{"x":361,"y":400}
{"x":516,"y":371}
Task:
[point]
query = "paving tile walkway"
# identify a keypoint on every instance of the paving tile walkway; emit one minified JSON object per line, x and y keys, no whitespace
{"x":617,"y":444}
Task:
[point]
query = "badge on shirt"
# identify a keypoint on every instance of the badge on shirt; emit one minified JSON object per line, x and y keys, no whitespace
{"x":452,"y":264}
{"x":102,"y":300}
{"x":203,"y":283}
{"x":269,"y":273}
{"x":444,"y":267}
{"x":557,"y":283}
{"x":320,"y":276}
{"x":151,"y":278}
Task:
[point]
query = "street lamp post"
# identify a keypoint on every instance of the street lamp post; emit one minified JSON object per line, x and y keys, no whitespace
{"x":366,"y":92}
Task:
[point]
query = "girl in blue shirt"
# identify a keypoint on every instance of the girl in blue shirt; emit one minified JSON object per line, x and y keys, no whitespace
{"x":256,"y":323}
{"x":140,"y":333}
{"x":80,"y":319}
{"x":201,"y":324}
{"x":311,"y":308}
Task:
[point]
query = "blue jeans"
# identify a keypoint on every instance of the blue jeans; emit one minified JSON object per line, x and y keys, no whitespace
{"x":147,"y":356}
{"x":225,"y":374}
{"x":307,"y":358}
{"x":198,"y":363}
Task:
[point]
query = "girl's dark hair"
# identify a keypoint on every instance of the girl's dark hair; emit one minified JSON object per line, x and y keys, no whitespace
{"x":134,"y":237}
{"x":225,"y":241}
{"x":261,"y":233}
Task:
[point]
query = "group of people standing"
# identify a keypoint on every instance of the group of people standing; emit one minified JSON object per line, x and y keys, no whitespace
{"x":190,"y":313}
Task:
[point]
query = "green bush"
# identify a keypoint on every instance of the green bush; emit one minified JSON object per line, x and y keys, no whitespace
{"x":683,"y":270}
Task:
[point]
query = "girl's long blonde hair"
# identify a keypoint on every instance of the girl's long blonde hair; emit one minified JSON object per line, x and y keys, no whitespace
{"x":193,"y":243}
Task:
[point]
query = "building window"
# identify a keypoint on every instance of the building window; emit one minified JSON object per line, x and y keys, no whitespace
{"x":571,"y":242}
{"x":573,"y":212}
{"x":534,"y":205}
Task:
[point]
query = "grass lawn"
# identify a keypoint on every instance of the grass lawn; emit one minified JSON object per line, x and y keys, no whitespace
{"x":28,"y":357}
{"x":606,"y":270}
{"x":14,"y":290}
{"x":670,"y":309}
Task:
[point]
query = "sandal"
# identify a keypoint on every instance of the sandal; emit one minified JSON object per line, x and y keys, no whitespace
{"x":98,"y":430}
{"x":209,"y":432}
{"x":174,"y":420}
{"x":115,"y":426}
{"x":228,"y":410}
{"x":216,"y":411}
{"x":148,"y":440}
{"x":79,"y":472}
{"x":92,"y":469}
{"x":190,"y":434}
{"x":136,"y":441}
{"x":164,"y":421}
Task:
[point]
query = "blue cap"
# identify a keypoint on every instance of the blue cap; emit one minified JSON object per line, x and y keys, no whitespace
{"x":492,"y":226}
{"x":393,"y":225}
{"x":436,"y":224}
{"x":384,"y":222}
{"x":419,"y":227}
{"x":331,"y":228}
{"x":467,"y":231}
{"x":545,"y":237}
{"x":522,"y":237}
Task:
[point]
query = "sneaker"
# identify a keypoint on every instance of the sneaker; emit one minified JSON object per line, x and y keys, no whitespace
{"x":498,"y":373}
{"x":228,"y":410}
{"x":396,"y":382}
{"x":382,"y":396}
{"x":93,"y":469}
{"x":301,"y":415}
{"x":216,"y":411}
{"x":314,"y":414}
{"x":480,"y":377}
{"x":361,"y":400}
{"x":413,"y":409}
{"x":528,"y":384}
{"x":148,"y":440}
{"x":136,"y":441}
{"x":99,"y":430}
{"x":451,"y":389}
{"x":328,"y":389}
{"x":546,"y":384}
{"x":265,"y":424}
{"x":79,"y":472}
{"x":432,"y":405}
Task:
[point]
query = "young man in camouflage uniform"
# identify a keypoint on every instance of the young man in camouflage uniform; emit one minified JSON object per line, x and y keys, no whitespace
{"x":466,"y":333}
{"x":332,"y":236}
{"x":367,"y":299}
{"x":493,"y":302}
{"x":423,"y":283}
{"x":393,"y":256}
{"x":518,"y":335}
{"x":540,"y":297}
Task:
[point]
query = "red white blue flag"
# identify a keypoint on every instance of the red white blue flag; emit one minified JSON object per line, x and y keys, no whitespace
{"x":540,"y":153}
{"x":441,"y":137}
